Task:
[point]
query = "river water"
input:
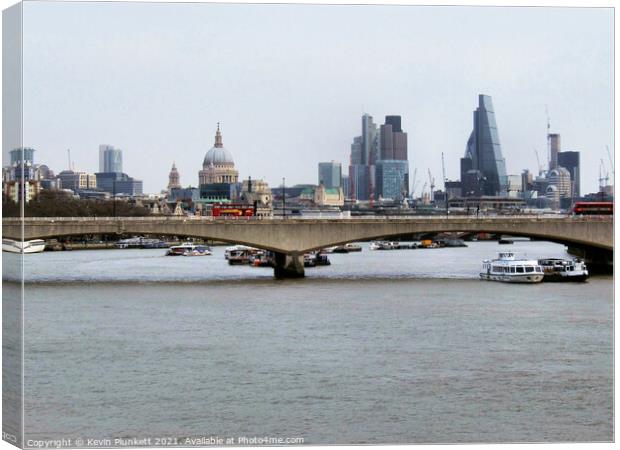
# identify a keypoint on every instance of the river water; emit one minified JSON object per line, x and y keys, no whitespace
{"x":380,"y":347}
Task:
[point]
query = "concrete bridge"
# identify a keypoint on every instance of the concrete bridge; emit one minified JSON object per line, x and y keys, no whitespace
{"x":291,"y":238}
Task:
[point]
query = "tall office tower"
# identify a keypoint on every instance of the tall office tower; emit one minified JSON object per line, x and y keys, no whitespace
{"x":395,"y":122}
{"x":386,"y":142}
{"x":527,"y":180}
{"x":356,"y":151}
{"x":392,"y":179}
{"x":483,"y":154}
{"x":393,"y":174}
{"x":110,"y":159}
{"x":369,"y":140}
{"x":25,"y":154}
{"x":392,"y":141}
{"x":570,"y":161}
{"x":359,"y":181}
{"x":330,"y":174}
{"x":554,"y":149}
{"x":346,"y":186}
{"x":370,"y":150}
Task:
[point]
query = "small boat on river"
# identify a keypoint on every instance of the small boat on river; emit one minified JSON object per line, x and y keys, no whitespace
{"x":33,"y":246}
{"x":558,"y":269}
{"x":188,"y":249}
{"x":508,"y":269}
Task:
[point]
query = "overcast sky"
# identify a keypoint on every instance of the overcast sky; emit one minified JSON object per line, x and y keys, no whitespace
{"x":289,"y":84}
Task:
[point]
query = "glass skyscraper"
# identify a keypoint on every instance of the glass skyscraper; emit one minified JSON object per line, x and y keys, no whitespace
{"x":110,"y":159}
{"x":483,"y":156}
{"x":330,"y":174}
{"x":392,"y":179}
{"x":570,"y":161}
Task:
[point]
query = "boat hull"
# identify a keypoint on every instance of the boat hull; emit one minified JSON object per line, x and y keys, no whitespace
{"x":35,"y":246}
{"x":557,"y":278}
{"x":513,"y":278}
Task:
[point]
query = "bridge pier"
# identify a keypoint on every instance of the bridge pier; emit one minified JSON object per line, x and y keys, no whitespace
{"x":598,"y":260}
{"x":288,"y":265}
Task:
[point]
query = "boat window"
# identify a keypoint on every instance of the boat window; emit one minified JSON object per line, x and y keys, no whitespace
{"x":520,"y":269}
{"x":513,"y":269}
{"x":529,"y":269}
{"x":538,"y":269}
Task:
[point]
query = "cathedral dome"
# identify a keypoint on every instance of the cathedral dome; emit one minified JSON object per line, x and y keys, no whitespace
{"x":218,"y":155}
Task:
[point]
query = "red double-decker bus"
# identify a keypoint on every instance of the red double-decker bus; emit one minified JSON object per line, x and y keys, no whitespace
{"x":233,"y":210}
{"x":593,"y":208}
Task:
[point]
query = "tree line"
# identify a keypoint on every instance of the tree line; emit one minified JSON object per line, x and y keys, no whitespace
{"x":57,"y":204}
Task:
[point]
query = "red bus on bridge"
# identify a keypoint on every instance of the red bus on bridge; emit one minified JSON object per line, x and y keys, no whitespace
{"x":233,"y":210}
{"x":593,"y":208}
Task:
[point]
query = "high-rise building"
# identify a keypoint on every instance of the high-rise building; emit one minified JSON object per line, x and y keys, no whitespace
{"x":110,"y":159}
{"x":483,"y":154}
{"x":330,"y":174}
{"x":356,"y":151}
{"x":369,"y":140}
{"x":554,"y":149}
{"x":392,"y":168}
{"x":570,"y":161}
{"x":76,"y":181}
{"x":346,"y":187}
{"x":359,"y":181}
{"x":392,"y":179}
{"x":22,"y":154}
{"x":514,"y":184}
{"x":393,"y":141}
{"x":118,"y":183}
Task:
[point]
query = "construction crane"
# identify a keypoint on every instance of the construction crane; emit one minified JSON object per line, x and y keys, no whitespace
{"x":548,"y":140}
{"x":431,"y":184}
{"x":613,"y":171}
{"x":443,"y":172}
{"x":602,"y":180}
{"x":413,"y":181}
{"x":540,"y":169}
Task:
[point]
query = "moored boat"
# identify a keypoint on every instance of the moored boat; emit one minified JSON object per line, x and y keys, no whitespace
{"x":140,"y":242}
{"x":188,"y":249}
{"x":386,"y":245}
{"x":309,"y":260}
{"x":558,"y":269}
{"x":240,"y":255}
{"x":198,"y":250}
{"x":508,"y":269}
{"x":32,"y":246}
{"x":260,"y":259}
{"x":237,"y":248}
{"x":351,"y":247}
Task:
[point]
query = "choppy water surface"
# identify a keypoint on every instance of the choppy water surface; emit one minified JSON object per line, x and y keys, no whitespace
{"x":380,"y":347}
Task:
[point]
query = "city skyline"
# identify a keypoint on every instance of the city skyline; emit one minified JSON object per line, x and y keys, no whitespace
{"x":281,"y":120}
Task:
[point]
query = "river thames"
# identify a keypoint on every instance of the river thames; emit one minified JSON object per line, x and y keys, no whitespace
{"x":401,"y":346}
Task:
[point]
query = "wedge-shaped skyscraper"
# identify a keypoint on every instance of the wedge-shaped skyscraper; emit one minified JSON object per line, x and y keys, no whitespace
{"x":483,"y":169}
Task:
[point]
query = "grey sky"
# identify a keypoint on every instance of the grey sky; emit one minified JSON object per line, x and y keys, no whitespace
{"x":289,"y":83}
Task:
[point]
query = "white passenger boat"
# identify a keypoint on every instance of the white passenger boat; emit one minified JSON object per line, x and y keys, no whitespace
{"x":188,"y":249}
{"x":236,"y":249}
{"x":511,"y":270}
{"x":198,"y":250}
{"x":33,"y":246}
{"x":557,"y":269}
{"x":384,"y":245}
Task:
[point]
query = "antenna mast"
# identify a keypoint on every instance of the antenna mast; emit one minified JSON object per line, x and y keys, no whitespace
{"x":443,"y":170}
